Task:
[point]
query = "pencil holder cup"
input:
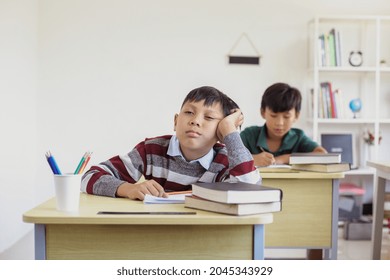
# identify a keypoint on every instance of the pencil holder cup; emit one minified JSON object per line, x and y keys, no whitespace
{"x":67,"y":191}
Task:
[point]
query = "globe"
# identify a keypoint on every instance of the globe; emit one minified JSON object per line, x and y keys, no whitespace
{"x":355,"y":105}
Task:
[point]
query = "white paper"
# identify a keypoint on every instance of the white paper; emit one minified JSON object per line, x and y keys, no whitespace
{"x":286,"y":166}
{"x":174,"y":198}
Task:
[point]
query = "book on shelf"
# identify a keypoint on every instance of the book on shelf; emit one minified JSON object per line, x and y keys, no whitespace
{"x":240,"y":209}
{"x":337,"y":93}
{"x":321,"y":52}
{"x":238,"y":192}
{"x":329,"y":48}
{"x":329,"y":101}
{"x":326,"y":99}
{"x":314,"y":158}
{"x":332,"y":47}
{"x":325,"y":167}
{"x":338,"y":48}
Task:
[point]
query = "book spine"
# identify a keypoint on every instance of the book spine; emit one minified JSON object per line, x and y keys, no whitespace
{"x":327,"y":50}
{"x":321,"y":52}
{"x":326,"y":100}
{"x":332,"y":101}
{"x":338,"y":48}
{"x":332,"y":48}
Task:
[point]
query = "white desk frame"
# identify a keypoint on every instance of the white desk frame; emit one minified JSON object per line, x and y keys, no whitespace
{"x":382,"y":175}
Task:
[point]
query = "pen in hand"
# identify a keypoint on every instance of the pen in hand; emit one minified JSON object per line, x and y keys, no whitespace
{"x":270,"y":157}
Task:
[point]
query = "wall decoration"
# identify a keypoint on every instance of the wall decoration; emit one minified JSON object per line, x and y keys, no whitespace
{"x":244,"y":59}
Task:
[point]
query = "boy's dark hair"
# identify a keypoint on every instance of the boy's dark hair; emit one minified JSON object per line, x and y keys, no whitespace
{"x":280,"y":97}
{"x":210,"y":96}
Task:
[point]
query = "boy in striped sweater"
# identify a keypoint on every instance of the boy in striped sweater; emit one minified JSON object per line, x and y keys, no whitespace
{"x":206,"y":148}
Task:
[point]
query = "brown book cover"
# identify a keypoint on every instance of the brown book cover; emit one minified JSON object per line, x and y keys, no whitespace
{"x":326,"y":168}
{"x":232,"y":209}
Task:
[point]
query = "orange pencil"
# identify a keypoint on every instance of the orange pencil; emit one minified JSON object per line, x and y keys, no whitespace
{"x":179,"y":192}
{"x":85,"y":163}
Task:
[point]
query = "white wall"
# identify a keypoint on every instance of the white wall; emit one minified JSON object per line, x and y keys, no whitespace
{"x":18,"y":120}
{"x":103,"y":75}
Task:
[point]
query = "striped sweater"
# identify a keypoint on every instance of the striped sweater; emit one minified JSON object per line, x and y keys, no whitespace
{"x":232,"y":162}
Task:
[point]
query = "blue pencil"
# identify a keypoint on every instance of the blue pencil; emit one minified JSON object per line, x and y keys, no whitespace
{"x":53,"y":163}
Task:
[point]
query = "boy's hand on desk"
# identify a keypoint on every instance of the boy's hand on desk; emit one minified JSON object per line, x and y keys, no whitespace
{"x":139,"y":190}
{"x":283,"y":159}
{"x":230,"y":124}
{"x":264,"y":159}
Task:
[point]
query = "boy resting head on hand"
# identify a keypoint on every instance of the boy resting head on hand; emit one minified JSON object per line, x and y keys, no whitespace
{"x":206,"y":148}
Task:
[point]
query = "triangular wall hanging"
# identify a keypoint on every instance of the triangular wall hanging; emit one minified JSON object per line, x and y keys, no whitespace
{"x":244,"y":59}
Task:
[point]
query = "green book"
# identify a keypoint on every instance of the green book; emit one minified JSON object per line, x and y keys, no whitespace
{"x":332,"y":47}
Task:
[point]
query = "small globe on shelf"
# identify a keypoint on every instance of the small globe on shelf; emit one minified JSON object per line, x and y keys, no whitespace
{"x":355,"y":105}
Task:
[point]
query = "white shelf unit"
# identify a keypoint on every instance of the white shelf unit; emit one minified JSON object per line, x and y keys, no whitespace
{"x":370,"y":82}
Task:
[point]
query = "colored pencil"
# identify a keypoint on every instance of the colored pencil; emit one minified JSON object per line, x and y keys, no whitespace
{"x":77,"y":171}
{"x":85,"y":162}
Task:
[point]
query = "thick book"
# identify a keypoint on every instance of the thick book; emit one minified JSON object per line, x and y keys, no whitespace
{"x":326,"y":167}
{"x":232,"y":209}
{"x":314,"y":158}
{"x":238,"y":192}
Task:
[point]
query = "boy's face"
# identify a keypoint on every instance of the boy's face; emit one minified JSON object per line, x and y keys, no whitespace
{"x":196,"y":128}
{"x":278,"y":124}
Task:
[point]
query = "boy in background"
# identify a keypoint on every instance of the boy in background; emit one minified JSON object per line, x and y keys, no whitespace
{"x":274,"y":142}
{"x":206,"y":148}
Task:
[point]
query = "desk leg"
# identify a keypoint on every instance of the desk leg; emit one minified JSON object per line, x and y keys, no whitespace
{"x":379,"y":194}
{"x":258,"y":242}
{"x":331,"y":254}
{"x":40,"y":241}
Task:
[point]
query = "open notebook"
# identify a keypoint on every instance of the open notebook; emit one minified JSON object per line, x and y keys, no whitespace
{"x":171,"y":199}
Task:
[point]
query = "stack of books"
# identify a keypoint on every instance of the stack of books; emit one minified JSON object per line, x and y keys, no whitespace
{"x":234,"y":198}
{"x":329,"y":49}
{"x":330,"y":102}
{"x":318,"y":162}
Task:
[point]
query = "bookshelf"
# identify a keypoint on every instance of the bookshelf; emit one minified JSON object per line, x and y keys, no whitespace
{"x":369,"y":82}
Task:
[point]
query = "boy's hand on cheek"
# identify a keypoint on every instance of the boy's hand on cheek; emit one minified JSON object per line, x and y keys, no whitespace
{"x":139,"y":190}
{"x":230,"y":124}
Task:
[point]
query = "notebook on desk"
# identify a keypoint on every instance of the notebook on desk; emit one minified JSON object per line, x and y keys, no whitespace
{"x":342,"y":143}
{"x":276,"y":168}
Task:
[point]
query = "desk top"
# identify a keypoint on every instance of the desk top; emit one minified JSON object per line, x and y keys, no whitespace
{"x":383,"y":166}
{"x":46,"y":213}
{"x":285,"y":173}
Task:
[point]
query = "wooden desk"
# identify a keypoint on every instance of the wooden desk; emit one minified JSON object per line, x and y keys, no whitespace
{"x":87,"y":235}
{"x":382,"y":174}
{"x":309,"y":216}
